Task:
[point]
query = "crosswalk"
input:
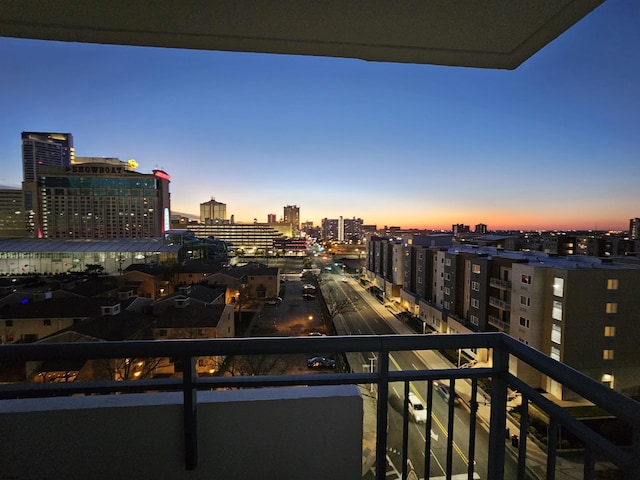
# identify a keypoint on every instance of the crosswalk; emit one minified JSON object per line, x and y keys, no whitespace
{"x":393,"y":473}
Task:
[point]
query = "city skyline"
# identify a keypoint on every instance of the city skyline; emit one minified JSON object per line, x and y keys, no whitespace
{"x":551,"y":145}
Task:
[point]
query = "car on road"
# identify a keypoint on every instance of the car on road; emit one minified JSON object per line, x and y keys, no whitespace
{"x":344,"y":279}
{"x":443,"y":390}
{"x":273,"y":301}
{"x":321,"y":362}
{"x":308,"y":296}
{"x":317,"y":334}
{"x":416,"y":408}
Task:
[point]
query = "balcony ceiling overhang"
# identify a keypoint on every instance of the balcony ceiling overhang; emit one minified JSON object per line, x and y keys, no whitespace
{"x":488,"y":34}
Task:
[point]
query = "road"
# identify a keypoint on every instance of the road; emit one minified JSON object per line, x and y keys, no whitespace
{"x":363,"y":319}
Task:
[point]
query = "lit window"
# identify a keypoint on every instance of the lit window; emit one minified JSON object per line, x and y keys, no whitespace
{"x":612,"y":284}
{"x":607,"y":354}
{"x":556,"y":334}
{"x":612,"y":308}
{"x":609,"y":331}
{"x":556,"y":311}
{"x":558,"y":287}
{"x":475,"y":268}
{"x":525,"y":279}
{"x":555,"y":353}
{"x":475,"y":286}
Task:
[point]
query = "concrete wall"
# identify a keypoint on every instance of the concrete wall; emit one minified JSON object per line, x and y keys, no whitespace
{"x":271,"y":433}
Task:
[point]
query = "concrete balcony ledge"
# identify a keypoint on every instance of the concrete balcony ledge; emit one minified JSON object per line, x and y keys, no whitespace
{"x":304,"y":432}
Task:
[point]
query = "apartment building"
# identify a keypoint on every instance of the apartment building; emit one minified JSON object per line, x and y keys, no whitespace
{"x":580,"y":310}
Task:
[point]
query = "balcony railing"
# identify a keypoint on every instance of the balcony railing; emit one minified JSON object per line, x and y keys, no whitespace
{"x":626,"y":458}
{"x":499,"y":323}
{"x":501,"y":304}
{"x":497,"y":283}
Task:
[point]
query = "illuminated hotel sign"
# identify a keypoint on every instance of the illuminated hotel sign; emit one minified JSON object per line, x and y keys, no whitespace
{"x":162,"y":175}
{"x":97,"y":169}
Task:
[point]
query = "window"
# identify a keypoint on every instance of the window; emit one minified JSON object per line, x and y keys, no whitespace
{"x":556,"y":334}
{"x":475,"y":268}
{"x":526,"y":301}
{"x":162,"y":332}
{"x":475,"y":303}
{"x":447,"y":305}
{"x":447,"y":276}
{"x":524,"y":322}
{"x":607,"y":354}
{"x":8,"y":323}
{"x":526,"y":279}
{"x":46,"y":322}
{"x":612,"y":308}
{"x":555,"y":353}
{"x":447,"y":262}
{"x":447,"y":291}
{"x":556,"y":312}
{"x":475,"y":286}
{"x":609,"y":331}
{"x":474,"y":320}
{"x":558,"y":287}
{"x":612,"y":284}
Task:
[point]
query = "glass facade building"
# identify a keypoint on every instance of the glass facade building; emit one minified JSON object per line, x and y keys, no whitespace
{"x":101,"y":201}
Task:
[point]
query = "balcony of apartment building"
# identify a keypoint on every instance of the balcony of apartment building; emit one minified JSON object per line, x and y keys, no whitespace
{"x":499,"y":323}
{"x":499,"y":303}
{"x":351,"y":422}
{"x":500,"y":284}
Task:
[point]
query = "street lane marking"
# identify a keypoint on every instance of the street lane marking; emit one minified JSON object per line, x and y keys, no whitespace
{"x":456,"y":447}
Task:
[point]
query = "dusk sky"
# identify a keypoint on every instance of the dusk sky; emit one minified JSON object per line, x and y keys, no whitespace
{"x":554,"y":144}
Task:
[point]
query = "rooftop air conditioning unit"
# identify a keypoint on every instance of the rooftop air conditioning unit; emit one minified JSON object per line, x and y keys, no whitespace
{"x":110,"y":310}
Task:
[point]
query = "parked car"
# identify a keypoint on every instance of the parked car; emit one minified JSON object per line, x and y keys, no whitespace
{"x":317,"y":334}
{"x":443,"y":390}
{"x":416,"y":409}
{"x":308,"y":296}
{"x":273,"y":301}
{"x":321,"y":362}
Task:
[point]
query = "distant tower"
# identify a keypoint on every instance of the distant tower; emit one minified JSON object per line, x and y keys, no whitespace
{"x":292,"y":216}
{"x":41,"y":149}
{"x":271,"y":218}
{"x":634,"y":228}
{"x":481,"y":228}
{"x":211,"y":211}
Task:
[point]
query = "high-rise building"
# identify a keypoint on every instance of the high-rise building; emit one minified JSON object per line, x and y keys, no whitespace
{"x":292,"y":216}
{"x":213,"y":211}
{"x":40,"y":149}
{"x":11,"y":214}
{"x":481,"y":228}
{"x":634,"y":228}
{"x":45,"y":149}
{"x":271,"y":218}
{"x":101,"y":200}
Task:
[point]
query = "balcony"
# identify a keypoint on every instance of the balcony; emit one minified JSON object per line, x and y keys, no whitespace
{"x":501,"y":304}
{"x":265,"y":426}
{"x":501,"y":284}
{"x":499,"y":323}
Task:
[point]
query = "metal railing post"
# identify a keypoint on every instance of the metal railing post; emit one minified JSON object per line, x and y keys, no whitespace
{"x":381,"y":428}
{"x":190,"y":410}
{"x":498,"y":422}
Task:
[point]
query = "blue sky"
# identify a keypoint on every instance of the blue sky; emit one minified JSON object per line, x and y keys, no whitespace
{"x":554,"y":144}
